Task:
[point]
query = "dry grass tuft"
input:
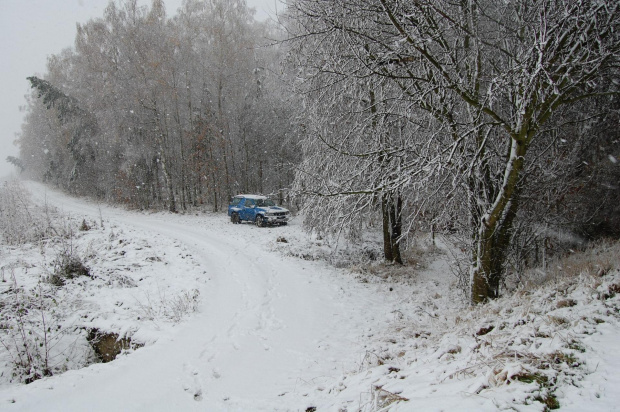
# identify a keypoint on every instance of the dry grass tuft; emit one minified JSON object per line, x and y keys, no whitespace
{"x":566,"y":303}
{"x":597,"y":260}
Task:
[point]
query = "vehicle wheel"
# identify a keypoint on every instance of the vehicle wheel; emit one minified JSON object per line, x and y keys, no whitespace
{"x":235,"y":218}
{"x":260,"y":221}
{"x":284,"y":224}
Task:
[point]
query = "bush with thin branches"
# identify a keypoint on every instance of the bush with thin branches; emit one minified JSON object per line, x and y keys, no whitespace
{"x":20,"y":220}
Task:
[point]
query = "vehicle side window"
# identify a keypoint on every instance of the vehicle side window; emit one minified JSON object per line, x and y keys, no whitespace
{"x":235,"y":201}
{"x":264,"y":202}
{"x":249,"y":202}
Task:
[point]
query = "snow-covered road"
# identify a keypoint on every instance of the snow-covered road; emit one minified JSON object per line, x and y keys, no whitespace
{"x":267,"y":327}
{"x":277,"y":333}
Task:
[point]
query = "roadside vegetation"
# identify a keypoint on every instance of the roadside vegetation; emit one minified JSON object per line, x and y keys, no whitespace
{"x":73,"y":292}
{"x":542,"y":343}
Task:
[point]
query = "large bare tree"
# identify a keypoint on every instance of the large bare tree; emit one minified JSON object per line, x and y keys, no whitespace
{"x":492,"y":74}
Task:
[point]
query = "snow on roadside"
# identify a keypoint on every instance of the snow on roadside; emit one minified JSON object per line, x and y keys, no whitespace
{"x":137,"y":287}
{"x":541,"y":347}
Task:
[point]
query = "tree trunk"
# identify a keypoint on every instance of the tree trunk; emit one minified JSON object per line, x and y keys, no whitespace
{"x":396,"y":228}
{"x":164,"y":164}
{"x":387,"y":238}
{"x":391,"y":207}
{"x":494,"y":232}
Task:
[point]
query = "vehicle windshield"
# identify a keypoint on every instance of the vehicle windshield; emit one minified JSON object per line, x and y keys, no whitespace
{"x":264,"y":202}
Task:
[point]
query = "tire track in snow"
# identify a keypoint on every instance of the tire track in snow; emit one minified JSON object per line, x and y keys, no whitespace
{"x":267,"y":325}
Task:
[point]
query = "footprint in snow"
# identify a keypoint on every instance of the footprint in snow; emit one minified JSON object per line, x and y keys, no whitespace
{"x":192,"y":385}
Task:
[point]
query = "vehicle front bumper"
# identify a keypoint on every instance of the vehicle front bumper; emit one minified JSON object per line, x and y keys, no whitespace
{"x":277,"y":219}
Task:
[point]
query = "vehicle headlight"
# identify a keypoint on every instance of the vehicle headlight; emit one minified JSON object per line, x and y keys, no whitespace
{"x":268,"y":214}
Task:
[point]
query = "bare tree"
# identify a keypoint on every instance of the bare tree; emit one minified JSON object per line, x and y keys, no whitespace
{"x":492,"y":74}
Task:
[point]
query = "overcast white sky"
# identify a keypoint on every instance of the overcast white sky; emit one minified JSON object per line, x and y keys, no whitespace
{"x":31,"y":30}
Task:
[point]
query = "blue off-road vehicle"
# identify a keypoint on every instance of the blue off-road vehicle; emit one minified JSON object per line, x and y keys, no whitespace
{"x":257,"y":209}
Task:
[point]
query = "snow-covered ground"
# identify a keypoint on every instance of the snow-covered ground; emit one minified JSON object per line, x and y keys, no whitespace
{"x":239,"y":318}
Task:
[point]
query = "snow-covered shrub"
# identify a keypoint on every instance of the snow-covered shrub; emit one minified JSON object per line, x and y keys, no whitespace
{"x":183,"y":304}
{"x":33,"y":340}
{"x":20,"y":221}
{"x":67,"y":265}
{"x":84,"y":227}
{"x":172,"y":309}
